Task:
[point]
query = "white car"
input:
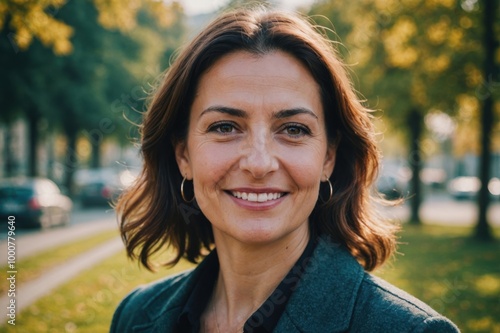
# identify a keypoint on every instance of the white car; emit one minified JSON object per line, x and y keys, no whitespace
{"x":467,"y":187}
{"x":34,"y":202}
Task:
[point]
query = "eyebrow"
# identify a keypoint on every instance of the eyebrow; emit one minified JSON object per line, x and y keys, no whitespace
{"x":226,"y":110}
{"x":292,"y":112}
{"x":243,"y":114}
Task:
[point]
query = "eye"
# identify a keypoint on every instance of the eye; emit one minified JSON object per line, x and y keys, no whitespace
{"x":296,"y":130}
{"x":222,"y":128}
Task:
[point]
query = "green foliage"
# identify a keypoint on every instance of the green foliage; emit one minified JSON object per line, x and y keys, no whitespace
{"x":99,"y":88}
{"x":24,"y":80}
{"x":409,"y":54}
{"x":39,"y":20}
{"x":35,"y":19}
{"x":413,"y":57}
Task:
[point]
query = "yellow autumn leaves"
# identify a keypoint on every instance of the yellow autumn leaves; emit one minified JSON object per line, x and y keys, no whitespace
{"x":30,"y":19}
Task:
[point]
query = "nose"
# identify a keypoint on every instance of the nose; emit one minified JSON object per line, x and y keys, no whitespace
{"x":258,"y":156}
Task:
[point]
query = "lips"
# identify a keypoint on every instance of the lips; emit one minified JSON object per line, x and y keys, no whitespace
{"x":257,"y":197}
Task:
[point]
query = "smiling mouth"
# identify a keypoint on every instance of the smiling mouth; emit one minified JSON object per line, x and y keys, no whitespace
{"x":256,"y":197}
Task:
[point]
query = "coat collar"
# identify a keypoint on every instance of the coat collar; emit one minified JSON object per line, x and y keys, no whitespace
{"x":165,"y":307}
{"x":323,"y":300}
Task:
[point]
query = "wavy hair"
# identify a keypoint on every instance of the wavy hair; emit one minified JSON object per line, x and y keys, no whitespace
{"x":152,"y":213}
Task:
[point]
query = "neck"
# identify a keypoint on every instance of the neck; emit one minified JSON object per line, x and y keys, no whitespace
{"x":249,"y":274}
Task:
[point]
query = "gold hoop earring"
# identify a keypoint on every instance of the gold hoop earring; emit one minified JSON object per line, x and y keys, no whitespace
{"x":331,"y":190}
{"x":182,"y":191}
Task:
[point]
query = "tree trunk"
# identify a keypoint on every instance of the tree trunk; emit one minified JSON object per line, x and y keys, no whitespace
{"x":9,"y":159}
{"x":95,"y":161}
{"x":33,"y":136}
{"x":483,"y":231}
{"x":71,"y":162}
{"x":50,"y":155}
{"x":415,"y":162}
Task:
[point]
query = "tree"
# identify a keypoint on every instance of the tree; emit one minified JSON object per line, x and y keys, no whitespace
{"x":28,"y":20}
{"x":104,"y":66}
{"x":38,"y":19}
{"x":410,"y":58}
{"x":75,"y":89}
{"x":490,"y":44}
{"x":23,"y":91}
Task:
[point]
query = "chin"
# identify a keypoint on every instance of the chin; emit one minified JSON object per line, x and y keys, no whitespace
{"x":258,"y":239}
{"x":260,"y":235}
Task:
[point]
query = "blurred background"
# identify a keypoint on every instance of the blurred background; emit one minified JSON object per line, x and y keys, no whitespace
{"x":75,"y":76}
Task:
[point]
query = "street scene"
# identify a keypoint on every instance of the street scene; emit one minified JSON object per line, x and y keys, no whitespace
{"x":104,"y":105}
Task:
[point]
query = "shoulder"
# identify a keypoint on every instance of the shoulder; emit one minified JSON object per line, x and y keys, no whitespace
{"x":143,"y":305}
{"x":341,"y":296}
{"x":383,"y":307}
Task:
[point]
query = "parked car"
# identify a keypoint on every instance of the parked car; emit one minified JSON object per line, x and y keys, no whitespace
{"x":467,"y":187}
{"x":98,"y":193}
{"x":35,"y":202}
{"x":99,"y":187}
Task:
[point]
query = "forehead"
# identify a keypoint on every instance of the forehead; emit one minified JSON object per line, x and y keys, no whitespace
{"x":275,"y":77}
{"x":276,"y":64}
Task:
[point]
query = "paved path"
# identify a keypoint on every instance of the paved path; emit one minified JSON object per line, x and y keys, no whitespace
{"x":32,"y":244}
{"x":448,"y":213}
{"x":30,"y":292}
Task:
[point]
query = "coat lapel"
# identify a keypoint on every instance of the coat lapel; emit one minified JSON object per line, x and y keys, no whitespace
{"x":325,"y":297}
{"x":164,"y":308}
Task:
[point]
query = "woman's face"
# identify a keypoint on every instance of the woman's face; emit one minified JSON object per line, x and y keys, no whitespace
{"x":257,"y":147}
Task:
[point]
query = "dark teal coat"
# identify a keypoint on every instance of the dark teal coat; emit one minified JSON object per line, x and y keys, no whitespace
{"x":334,"y":294}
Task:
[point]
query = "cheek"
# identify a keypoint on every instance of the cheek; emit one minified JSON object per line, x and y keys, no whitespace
{"x":210,"y":165}
{"x":305,"y":166}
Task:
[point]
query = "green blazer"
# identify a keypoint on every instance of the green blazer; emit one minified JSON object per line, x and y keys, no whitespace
{"x":335,"y":294}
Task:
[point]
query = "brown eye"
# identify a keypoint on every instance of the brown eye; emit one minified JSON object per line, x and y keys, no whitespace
{"x":225,"y":128}
{"x":296,"y":130}
{"x":222,"y":128}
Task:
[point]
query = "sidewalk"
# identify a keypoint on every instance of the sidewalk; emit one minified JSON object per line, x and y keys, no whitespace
{"x":445,"y":213}
{"x":32,"y":244}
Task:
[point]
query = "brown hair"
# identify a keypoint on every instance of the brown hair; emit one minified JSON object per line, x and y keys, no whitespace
{"x":152,"y":212}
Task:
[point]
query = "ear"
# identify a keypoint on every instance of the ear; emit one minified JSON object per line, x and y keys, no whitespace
{"x":329,"y":164}
{"x":182,"y":158}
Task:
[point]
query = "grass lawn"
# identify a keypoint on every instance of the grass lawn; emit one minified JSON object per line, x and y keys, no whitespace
{"x":441,"y":265}
{"x":457,"y":276}
{"x":87,"y":302}
{"x":32,"y":267}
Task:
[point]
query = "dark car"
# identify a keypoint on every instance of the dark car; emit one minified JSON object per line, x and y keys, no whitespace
{"x":100,"y":187}
{"x":98,"y":193}
{"x":35,"y":202}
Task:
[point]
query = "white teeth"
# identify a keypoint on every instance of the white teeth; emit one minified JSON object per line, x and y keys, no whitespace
{"x":257,"y":197}
{"x":252,"y":197}
{"x":262,"y":197}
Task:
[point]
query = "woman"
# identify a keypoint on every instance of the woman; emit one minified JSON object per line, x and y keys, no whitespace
{"x":257,"y":150}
